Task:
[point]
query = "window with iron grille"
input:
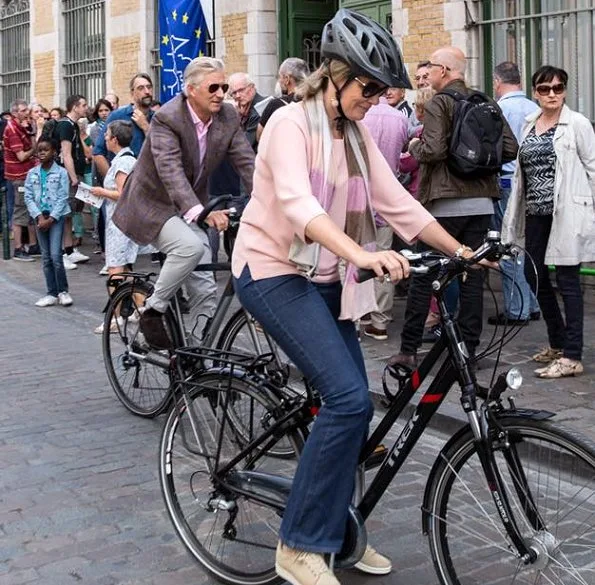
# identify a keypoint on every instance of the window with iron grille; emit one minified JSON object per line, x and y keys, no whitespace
{"x":532,"y":33}
{"x":84,"y":58}
{"x":16,"y":55}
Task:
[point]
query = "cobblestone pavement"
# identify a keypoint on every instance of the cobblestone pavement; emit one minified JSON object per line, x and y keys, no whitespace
{"x":79,"y":493}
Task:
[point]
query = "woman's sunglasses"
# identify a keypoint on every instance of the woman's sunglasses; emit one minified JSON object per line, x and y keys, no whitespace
{"x":371,"y":88}
{"x":544,"y":90}
{"x":214,"y":87}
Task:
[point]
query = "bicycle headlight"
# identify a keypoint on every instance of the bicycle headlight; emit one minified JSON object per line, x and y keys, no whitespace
{"x":514,"y":378}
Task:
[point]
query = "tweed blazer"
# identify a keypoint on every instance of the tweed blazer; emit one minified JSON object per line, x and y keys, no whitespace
{"x":168,"y":178}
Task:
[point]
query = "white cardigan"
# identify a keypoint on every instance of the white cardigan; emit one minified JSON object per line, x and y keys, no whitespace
{"x":572,"y":238}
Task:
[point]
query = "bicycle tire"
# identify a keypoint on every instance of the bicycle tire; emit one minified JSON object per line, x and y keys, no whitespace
{"x":142,"y":387}
{"x":467,"y":537}
{"x":236,"y":336}
{"x":197,"y":508}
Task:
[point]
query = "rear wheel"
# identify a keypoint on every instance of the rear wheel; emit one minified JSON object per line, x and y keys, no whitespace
{"x":467,"y":538}
{"x":233,"y":536}
{"x":138,"y":374}
{"x":244,"y":334}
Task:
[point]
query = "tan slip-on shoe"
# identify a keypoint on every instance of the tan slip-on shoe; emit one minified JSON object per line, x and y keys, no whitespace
{"x":303,"y":568}
{"x":561,"y":368}
{"x":373,"y":563}
{"x":547,"y":355}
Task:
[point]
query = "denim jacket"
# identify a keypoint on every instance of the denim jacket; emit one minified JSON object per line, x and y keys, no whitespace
{"x":57,"y":186}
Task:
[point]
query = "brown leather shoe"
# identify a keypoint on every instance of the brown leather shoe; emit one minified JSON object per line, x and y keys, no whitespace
{"x":403,"y":359}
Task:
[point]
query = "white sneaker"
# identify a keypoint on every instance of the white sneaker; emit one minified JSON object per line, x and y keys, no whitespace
{"x":113,"y":326}
{"x":104,"y":271}
{"x":47,"y":301}
{"x":64,"y":299}
{"x":77,"y":257}
{"x":68,"y":264}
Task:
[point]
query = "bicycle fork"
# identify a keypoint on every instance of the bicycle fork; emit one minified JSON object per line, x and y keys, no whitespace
{"x":486,"y":446}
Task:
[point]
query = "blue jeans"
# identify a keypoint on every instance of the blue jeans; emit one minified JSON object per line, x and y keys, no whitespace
{"x":50,"y":243}
{"x":302,"y":318}
{"x":519,"y":299}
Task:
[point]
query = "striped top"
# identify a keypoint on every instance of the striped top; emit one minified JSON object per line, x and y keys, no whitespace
{"x":538,"y":162}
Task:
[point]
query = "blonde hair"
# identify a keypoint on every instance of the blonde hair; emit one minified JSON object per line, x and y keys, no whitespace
{"x":422,"y":97}
{"x":200,"y":67}
{"x":318,"y":81}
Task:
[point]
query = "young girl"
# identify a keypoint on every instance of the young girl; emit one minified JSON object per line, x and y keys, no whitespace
{"x":46,"y":196}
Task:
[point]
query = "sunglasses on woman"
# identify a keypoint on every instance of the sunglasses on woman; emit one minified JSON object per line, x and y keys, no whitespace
{"x":544,"y":90}
{"x":214,"y":87}
{"x":371,"y":88}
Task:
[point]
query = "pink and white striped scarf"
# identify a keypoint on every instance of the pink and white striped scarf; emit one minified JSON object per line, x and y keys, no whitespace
{"x":357,"y":299}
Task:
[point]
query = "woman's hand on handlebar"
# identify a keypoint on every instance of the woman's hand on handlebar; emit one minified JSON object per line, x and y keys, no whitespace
{"x":218,"y":220}
{"x":384,"y":263}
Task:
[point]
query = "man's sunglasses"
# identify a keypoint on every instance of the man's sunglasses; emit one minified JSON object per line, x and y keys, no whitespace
{"x":371,"y":88}
{"x":544,"y":90}
{"x":214,"y":87}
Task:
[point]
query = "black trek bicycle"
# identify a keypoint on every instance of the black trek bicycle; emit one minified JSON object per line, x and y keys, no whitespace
{"x":509,"y":500}
{"x":140,"y":374}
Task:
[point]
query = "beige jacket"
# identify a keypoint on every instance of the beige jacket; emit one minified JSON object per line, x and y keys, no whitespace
{"x":572,"y":238}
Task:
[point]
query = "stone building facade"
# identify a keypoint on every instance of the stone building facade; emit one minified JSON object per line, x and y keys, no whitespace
{"x":50,"y":58}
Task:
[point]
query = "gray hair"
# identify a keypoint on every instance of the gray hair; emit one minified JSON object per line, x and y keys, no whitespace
{"x":508,"y":72}
{"x":200,"y":67}
{"x":15,"y":105}
{"x":239,"y":77}
{"x":121,"y":130}
{"x":295,"y":68}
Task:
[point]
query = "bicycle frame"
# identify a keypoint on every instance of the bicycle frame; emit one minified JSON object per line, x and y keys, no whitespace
{"x":454,"y":367}
{"x":429,"y":403}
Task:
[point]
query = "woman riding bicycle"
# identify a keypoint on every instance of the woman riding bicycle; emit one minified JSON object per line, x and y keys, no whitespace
{"x":318,"y":176}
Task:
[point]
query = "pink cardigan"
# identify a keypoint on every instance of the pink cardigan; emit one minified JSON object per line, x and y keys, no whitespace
{"x":282,"y":202}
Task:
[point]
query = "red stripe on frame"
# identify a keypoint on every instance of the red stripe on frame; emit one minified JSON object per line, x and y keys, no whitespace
{"x":415,"y":381}
{"x":427,"y":398}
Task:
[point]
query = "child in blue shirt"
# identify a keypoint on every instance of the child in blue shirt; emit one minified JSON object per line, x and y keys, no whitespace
{"x":46,"y":196}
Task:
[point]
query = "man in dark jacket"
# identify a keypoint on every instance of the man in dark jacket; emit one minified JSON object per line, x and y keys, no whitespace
{"x":462,"y":205}
{"x":243,"y":91}
{"x":163,"y":196}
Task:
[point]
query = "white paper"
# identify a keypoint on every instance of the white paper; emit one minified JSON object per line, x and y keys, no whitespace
{"x":84,"y":194}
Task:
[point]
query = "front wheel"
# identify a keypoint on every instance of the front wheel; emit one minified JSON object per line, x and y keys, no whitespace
{"x":468,"y":541}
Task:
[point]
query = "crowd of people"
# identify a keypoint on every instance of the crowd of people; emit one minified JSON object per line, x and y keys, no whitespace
{"x":337,"y":173}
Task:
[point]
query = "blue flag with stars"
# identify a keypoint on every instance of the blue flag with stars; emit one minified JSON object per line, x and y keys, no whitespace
{"x":183,"y":36}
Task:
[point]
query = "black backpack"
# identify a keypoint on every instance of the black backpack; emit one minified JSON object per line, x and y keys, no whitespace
{"x":50,"y":132}
{"x":475,"y":148}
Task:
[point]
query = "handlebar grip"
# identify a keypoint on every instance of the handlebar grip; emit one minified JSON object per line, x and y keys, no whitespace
{"x":210,"y":206}
{"x":364,"y":274}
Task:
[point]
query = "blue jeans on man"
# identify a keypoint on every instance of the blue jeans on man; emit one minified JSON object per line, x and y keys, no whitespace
{"x":50,"y":244}
{"x":519,"y":299}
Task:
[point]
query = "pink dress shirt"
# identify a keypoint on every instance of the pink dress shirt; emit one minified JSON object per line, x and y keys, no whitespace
{"x":202,"y":130}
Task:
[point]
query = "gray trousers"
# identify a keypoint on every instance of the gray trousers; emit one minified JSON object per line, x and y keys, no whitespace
{"x":185,"y":246}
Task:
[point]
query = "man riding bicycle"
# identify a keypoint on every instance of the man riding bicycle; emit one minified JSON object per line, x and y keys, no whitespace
{"x":188,"y":138}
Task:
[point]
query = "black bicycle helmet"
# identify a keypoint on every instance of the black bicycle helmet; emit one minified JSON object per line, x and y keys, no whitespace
{"x":368,"y":48}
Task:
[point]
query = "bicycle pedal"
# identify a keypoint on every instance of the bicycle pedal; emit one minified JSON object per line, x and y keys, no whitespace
{"x":376,"y":458}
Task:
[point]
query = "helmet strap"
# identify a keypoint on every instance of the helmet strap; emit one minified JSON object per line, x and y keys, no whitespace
{"x":336,"y":101}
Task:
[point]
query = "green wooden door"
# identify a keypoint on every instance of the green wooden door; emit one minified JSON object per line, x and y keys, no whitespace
{"x":300,"y":27}
{"x":379,"y":10}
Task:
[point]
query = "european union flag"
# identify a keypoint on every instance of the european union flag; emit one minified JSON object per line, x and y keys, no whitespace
{"x":183,"y":31}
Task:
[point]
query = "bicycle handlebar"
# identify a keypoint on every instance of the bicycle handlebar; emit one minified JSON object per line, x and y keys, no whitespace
{"x":211,"y":205}
{"x":423,"y":262}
